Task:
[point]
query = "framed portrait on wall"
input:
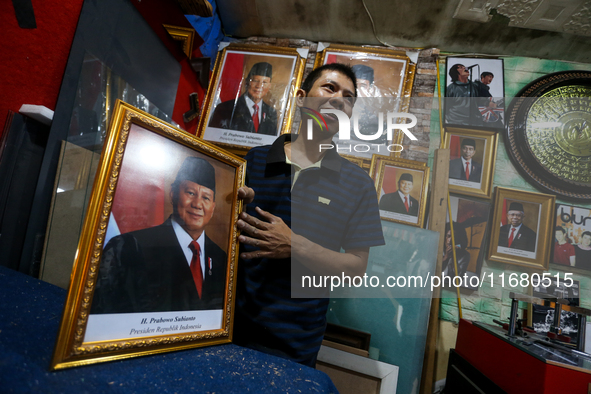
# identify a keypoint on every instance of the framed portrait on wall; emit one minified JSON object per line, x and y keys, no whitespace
{"x":250,"y":99}
{"x":472,"y":160}
{"x":474,"y":93}
{"x":571,"y":246}
{"x":521,"y":228}
{"x":402,"y":190}
{"x":470,"y":220}
{"x":384,"y":83}
{"x":156,"y":261}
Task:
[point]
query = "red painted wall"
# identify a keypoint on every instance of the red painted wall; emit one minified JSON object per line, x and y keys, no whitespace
{"x":34,"y":60}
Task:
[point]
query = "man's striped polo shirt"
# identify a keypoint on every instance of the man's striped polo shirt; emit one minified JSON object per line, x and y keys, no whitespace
{"x":333,"y":205}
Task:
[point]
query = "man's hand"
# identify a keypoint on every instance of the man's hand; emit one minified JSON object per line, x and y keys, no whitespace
{"x":272,"y":236}
{"x":246,"y":194}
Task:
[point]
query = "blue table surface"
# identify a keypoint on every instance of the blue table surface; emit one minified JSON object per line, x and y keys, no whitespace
{"x":30,"y":313}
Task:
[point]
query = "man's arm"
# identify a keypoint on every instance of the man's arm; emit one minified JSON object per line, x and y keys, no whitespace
{"x":275,"y":240}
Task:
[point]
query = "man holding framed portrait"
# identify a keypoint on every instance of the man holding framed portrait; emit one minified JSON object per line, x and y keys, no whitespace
{"x":296,"y":223}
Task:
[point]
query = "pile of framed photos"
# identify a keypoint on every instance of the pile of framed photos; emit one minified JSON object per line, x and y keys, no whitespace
{"x":521,"y":222}
{"x":527,"y":229}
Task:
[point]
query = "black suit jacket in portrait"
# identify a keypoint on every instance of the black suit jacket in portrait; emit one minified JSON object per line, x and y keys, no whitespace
{"x":394,"y":203}
{"x":457,"y":170}
{"x":525,"y":239}
{"x":235,"y":115}
{"x":147,"y":271}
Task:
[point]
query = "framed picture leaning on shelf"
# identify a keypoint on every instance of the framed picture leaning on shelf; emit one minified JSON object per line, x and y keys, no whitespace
{"x":402,"y":190}
{"x":250,"y":99}
{"x":384,"y":83}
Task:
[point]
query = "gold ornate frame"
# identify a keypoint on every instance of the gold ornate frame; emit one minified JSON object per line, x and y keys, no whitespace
{"x":484,"y":188}
{"x":378,"y":168}
{"x":71,"y":349}
{"x":377,"y":159}
{"x":266,"y":53}
{"x":544,"y":204}
{"x":359,"y":55}
{"x":184,"y":35}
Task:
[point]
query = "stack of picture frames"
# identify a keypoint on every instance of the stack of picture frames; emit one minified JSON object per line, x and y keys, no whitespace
{"x":546,"y":234}
{"x":122,"y":301}
{"x":269,"y":76}
{"x":473,"y":115}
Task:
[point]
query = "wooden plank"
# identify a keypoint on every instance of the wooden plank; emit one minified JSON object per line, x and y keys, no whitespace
{"x":437,"y":219}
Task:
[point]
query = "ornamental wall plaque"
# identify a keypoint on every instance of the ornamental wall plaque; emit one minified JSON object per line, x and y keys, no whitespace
{"x":548,"y":134}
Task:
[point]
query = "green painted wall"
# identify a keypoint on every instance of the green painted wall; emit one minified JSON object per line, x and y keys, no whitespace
{"x":488,"y":302}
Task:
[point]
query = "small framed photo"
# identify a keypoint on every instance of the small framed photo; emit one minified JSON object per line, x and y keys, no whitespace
{"x":402,"y":190}
{"x":522,"y":227}
{"x":384,"y":83}
{"x":156,"y":262}
{"x":571,"y":246}
{"x":543,"y":316}
{"x":474,"y":93}
{"x":472,"y":161}
{"x":470,"y":220}
{"x":250,"y":100}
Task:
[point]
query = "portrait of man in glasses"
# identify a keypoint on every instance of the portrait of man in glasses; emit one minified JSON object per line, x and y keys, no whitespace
{"x":249,"y":113}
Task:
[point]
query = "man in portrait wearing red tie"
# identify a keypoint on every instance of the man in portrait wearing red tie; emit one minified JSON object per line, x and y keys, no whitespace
{"x":170,"y":267}
{"x":515,"y":234}
{"x":466,"y":168}
{"x":401,"y":201}
{"x":249,"y":112}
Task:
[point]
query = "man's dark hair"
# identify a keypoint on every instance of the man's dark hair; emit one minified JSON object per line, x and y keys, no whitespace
{"x":486,"y":74}
{"x":560,"y":228}
{"x":316,"y":73}
{"x":454,"y":73}
{"x":586,"y":233}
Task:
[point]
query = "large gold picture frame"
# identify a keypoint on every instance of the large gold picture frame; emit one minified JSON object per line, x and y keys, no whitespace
{"x":384,"y":77}
{"x":130,"y":295}
{"x":226,"y":119}
{"x":530,"y":245}
{"x":391,"y":177}
{"x":483,"y":146}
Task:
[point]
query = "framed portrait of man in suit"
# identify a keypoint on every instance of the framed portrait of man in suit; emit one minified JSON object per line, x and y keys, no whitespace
{"x":521,"y":228}
{"x":250,"y":99}
{"x":402,"y":189}
{"x":156,"y":261}
{"x":472,"y":160}
{"x":384,"y":83}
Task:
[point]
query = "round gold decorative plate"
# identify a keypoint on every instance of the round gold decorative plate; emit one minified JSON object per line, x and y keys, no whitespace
{"x":548,"y":134}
